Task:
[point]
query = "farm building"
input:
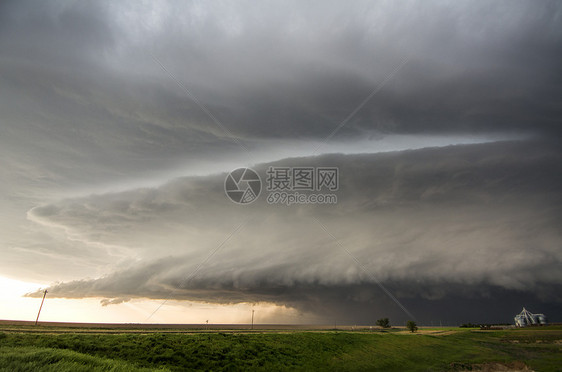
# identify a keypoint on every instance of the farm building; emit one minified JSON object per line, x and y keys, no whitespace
{"x":526,"y":318}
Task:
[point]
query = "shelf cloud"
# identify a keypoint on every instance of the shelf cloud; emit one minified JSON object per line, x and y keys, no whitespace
{"x":432,"y":223}
{"x":120,"y":121}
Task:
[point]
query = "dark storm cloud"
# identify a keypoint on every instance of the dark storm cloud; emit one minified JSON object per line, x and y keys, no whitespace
{"x":475,"y":222}
{"x":287,"y":69}
{"x":86,"y":107}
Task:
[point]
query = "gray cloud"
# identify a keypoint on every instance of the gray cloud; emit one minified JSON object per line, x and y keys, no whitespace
{"x":94,"y":134}
{"x":266,"y":70}
{"x":469,"y":221}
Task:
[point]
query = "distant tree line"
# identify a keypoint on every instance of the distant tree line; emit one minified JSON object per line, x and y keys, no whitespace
{"x":482,"y":325}
{"x":383,"y":322}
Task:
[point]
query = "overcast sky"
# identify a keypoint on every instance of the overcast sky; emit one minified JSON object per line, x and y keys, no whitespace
{"x":120,"y":121}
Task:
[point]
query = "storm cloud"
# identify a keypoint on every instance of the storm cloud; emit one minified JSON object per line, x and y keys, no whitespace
{"x":283,"y":69}
{"x":120,"y":121}
{"x":430,"y":224}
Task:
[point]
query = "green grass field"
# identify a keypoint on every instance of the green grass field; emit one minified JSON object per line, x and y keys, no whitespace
{"x":453,"y":349}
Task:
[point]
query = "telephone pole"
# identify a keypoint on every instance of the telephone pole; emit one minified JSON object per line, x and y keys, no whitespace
{"x":40,"y":307}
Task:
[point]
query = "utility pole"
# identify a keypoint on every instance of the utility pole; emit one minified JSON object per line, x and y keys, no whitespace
{"x":252,"y":319}
{"x":40,"y":307}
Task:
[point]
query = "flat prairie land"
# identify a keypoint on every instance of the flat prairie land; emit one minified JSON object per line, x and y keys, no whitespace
{"x":72,"y":347}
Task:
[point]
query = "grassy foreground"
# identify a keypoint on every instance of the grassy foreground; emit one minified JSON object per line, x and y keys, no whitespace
{"x":395,"y":350}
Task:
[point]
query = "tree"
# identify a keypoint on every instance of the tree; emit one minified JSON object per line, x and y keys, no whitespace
{"x":412,"y":326}
{"x":383,"y":322}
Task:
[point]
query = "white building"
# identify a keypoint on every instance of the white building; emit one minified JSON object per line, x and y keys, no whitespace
{"x":526,"y":318}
